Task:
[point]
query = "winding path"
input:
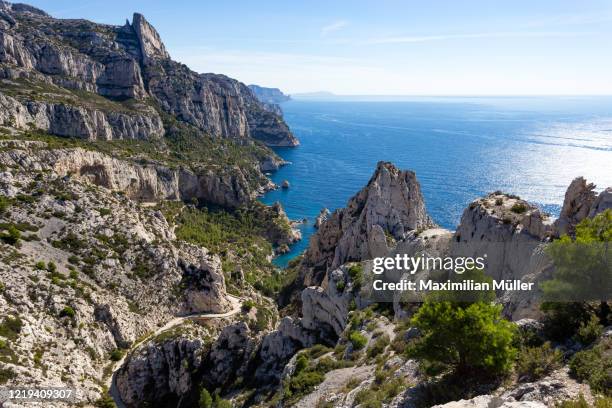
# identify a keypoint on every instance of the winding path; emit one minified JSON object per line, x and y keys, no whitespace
{"x":112,"y":382}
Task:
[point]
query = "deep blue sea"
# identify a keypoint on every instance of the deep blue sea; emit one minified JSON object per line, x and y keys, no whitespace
{"x":460,"y":149}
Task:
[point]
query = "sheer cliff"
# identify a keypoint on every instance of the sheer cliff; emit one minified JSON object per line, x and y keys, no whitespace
{"x":78,"y":78}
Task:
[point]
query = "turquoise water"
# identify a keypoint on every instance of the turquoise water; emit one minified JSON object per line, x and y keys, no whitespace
{"x":460,"y":149}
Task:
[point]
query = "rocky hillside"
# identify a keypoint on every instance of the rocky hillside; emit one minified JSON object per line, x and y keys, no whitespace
{"x":82,"y":79}
{"x":271,"y":98}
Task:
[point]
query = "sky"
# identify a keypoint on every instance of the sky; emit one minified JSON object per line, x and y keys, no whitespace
{"x":381,"y":47}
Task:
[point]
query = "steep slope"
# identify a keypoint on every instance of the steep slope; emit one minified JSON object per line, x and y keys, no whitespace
{"x":111,"y":80}
{"x":386,"y":210}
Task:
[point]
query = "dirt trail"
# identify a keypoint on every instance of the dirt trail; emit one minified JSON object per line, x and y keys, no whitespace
{"x":112,"y":382}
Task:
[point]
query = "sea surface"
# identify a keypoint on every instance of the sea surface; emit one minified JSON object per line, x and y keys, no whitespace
{"x":460,"y":149}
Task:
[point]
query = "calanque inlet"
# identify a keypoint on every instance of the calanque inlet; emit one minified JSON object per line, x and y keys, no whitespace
{"x":136,"y":257}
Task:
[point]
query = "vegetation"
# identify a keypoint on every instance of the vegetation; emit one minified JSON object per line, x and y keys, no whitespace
{"x":594,"y":366}
{"x":465,"y":337}
{"x":382,"y":390}
{"x":356,"y":274}
{"x":536,"y":362}
{"x":239,"y":237}
{"x":581,"y":282}
{"x":358,"y":340}
{"x":518,"y":208}
{"x":581,"y":402}
{"x":11,"y":327}
{"x":205,"y":400}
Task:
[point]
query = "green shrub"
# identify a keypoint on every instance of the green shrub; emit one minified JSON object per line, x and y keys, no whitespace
{"x":518,"y":208}
{"x":104,"y":212}
{"x":67,"y":311}
{"x":499,"y":201}
{"x":470,"y":338}
{"x":6,"y":374}
{"x":356,"y":274}
{"x":340,"y":286}
{"x":301,"y":362}
{"x":535,"y":362}
{"x":40,"y":265}
{"x":116,"y":354}
{"x":247,"y":305}
{"x":357,"y":339}
{"x":11,"y":327}
{"x":105,"y":401}
{"x":221,"y":403}
{"x":594,"y":366}
{"x":11,"y":236}
{"x":5,"y":203}
{"x":52,"y":267}
{"x":600,"y":402}
{"x":590,"y":331}
{"x":205,"y":400}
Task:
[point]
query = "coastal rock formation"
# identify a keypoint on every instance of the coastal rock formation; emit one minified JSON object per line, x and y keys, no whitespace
{"x":82,"y":79}
{"x":270,"y":98}
{"x":84,"y":122}
{"x":149,"y":182}
{"x":322,"y":217}
{"x":506,"y":229}
{"x":579,"y":197}
{"x":388,"y":208}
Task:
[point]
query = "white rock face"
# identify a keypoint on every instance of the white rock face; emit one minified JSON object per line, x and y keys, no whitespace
{"x":579,"y":197}
{"x":389,"y":207}
{"x":116,"y":270}
{"x":504,"y":228}
{"x":79,"y":121}
{"x":321,"y":218}
{"x":147,"y":182}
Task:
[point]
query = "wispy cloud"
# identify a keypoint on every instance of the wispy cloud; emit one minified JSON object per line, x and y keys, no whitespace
{"x":335,"y":26}
{"x":444,"y":37}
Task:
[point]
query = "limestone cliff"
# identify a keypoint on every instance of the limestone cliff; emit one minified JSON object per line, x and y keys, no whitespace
{"x":388,"y":208}
{"x":50,"y":68}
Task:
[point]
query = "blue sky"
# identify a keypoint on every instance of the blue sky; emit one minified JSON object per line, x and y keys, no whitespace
{"x":434,"y":47}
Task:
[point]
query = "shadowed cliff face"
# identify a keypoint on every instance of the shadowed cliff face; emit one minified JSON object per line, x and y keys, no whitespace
{"x":129,"y":67}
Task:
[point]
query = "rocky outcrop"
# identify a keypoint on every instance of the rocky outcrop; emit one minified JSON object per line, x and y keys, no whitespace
{"x":120,"y":62}
{"x":504,"y":228}
{"x":230,"y":188}
{"x":203,"y":282}
{"x":160,"y":368}
{"x":94,"y":272}
{"x":79,"y":121}
{"x":389,"y":208}
{"x":322,"y":217}
{"x":579,"y":197}
{"x":325,"y":309}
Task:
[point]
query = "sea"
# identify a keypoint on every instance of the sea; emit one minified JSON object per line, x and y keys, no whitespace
{"x":461,"y":148}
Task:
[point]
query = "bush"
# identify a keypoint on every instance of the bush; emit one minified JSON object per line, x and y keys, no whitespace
{"x":536,"y":362}
{"x":67,"y":311}
{"x":11,"y":327}
{"x":467,"y":338}
{"x":358,"y":340}
{"x":104,"y":212}
{"x":205,"y":400}
{"x":590,"y":331}
{"x":601,"y":402}
{"x":5,"y":203}
{"x":247,"y":305}
{"x":6,"y":374}
{"x":518,"y":208}
{"x":595,"y":366}
{"x":356,"y":274}
{"x":11,"y":236}
{"x":116,"y":355}
{"x":40,"y":265}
